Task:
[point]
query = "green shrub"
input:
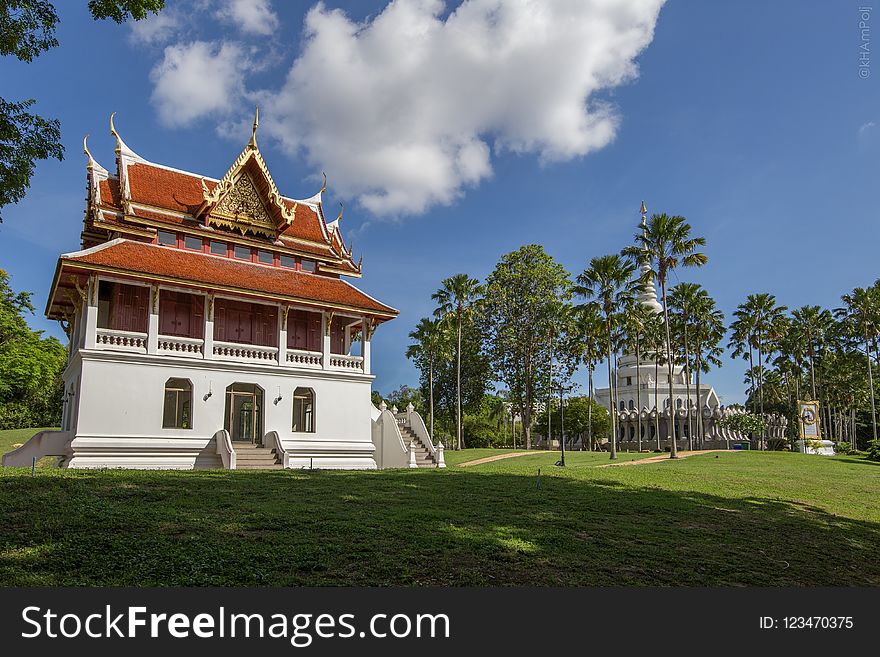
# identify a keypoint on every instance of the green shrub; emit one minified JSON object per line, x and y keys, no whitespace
{"x":874,"y":450}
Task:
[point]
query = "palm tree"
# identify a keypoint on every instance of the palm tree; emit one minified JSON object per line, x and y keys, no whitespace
{"x":589,"y":329}
{"x":701,"y":324}
{"x":456,"y":299}
{"x":682,"y":299}
{"x":665,"y":243}
{"x":608,"y":284}
{"x":763,"y":318}
{"x":742,"y":342}
{"x":655,"y":342}
{"x":429,"y":346}
{"x":635,"y":318}
{"x":862,"y":311}
{"x":813,"y":324}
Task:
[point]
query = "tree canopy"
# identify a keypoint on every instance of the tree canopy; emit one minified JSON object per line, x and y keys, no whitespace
{"x":27,"y":29}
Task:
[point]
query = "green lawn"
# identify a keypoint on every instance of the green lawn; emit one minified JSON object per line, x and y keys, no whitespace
{"x":744,"y":518}
{"x":453,"y":457}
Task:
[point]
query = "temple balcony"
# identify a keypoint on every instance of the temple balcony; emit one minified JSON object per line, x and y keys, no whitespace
{"x":159,"y":321}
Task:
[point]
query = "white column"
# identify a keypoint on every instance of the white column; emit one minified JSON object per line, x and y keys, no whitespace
{"x":208,"y":333}
{"x":325,"y":346}
{"x":153,"y":325}
{"x":365,"y":345}
{"x":90,"y":316}
{"x":347,"y":344}
{"x":282,"y":334}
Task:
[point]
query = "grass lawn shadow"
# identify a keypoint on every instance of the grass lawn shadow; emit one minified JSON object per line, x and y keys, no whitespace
{"x":453,"y":527}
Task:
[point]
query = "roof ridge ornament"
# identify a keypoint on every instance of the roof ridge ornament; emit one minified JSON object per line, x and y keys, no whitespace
{"x":253,"y":142}
{"x":121,"y":147}
{"x":92,"y":163}
{"x":324,"y":186}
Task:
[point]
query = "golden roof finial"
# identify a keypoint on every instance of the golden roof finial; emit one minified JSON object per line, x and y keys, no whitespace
{"x":86,"y":149}
{"x":253,"y":142}
{"x":112,"y":127}
{"x":324,"y":186}
{"x":341,"y":210}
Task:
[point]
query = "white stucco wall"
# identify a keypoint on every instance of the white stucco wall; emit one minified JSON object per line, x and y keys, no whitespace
{"x":119,"y":411}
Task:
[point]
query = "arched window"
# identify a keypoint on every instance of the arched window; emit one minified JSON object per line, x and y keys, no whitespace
{"x":177,"y":413}
{"x":304,"y":410}
{"x":666,"y":403}
{"x":678,"y":403}
{"x":622,"y":405}
{"x":632,"y":404}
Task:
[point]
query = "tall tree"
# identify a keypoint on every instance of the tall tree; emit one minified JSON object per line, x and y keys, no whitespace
{"x":429,"y":345}
{"x":655,"y":341}
{"x":665,"y":243}
{"x":760,"y":317}
{"x":814,"y":324}
{"x":521,"y":297}
{"x":708,"y":332}
{"x":589,"y":329}
{"x":27,"y":29}
{"x":456,"y":299}
{"x":682,"y":302}
{"x":30,"y":366}
{"x":861,"y":311}
{"x":608,"y":284}
{"x":635,"y":320}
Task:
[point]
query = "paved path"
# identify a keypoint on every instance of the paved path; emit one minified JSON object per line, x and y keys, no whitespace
{"x":663,"y":457}
{"x":497,"y":457}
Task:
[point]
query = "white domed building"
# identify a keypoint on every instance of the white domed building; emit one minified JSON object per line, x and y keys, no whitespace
{"x":642,"y":404}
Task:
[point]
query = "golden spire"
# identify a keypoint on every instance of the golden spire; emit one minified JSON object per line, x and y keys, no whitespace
{"x":253,"y":142}
{"x":643,"y":210}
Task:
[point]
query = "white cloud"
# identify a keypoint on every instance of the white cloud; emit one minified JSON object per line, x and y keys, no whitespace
{"x":198,"y":79}
{"x":250,"y":16}
{"x":865,"y":127}
{"x":156,"y":28}
{"x":401,"y":110}
{"x":406,"y":109}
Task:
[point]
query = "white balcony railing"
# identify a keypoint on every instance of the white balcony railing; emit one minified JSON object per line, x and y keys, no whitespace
{"x":343,"y":362}
{"x":313,"y":359}
{"x":179,"y":346}
{"x":247,"y":353}
{"x":121,"y":340}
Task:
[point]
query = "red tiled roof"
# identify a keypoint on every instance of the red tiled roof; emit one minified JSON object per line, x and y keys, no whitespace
{"x":163,"y":188}
{"x":181,"y":192}
{"x":212,"y":271}
{"x":306,"y":224}
{"x":110,"y":192}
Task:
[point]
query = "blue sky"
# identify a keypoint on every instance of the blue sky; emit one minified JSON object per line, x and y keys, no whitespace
{"x":749,"y":118}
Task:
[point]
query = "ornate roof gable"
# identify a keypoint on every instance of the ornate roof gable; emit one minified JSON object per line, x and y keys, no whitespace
{"x":246,"y":198}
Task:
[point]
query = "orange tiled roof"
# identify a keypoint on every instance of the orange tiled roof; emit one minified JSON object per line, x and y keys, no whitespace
{"x":163,"y":188}
{"x":188,"y":267}
{"x":110,"y":193}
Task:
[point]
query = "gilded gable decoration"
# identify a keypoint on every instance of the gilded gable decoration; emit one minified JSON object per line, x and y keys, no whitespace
{"x":246,"y":198}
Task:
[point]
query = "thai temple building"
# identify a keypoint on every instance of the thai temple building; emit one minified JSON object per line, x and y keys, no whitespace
{"x":212,"y":325}
{"x":640,"y":402}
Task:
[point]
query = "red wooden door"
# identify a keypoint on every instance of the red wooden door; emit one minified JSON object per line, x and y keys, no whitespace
{"x":181,"y":314}
{"x":129,"y":310}
{"x":246,"y":323}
